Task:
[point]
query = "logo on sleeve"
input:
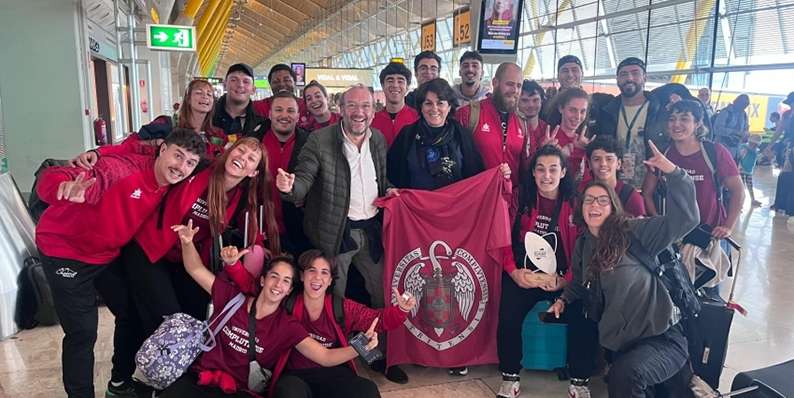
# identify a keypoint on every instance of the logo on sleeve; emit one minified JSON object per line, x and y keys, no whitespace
{"x":486,"y":128}
{"x":136,"y":194}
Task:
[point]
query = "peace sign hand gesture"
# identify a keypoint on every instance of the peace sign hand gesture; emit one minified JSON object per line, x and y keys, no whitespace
{"x":550,"y":138}
{"x":659,"y":161}
{"x":372,"y":336}
{"x":582,"y":141}
{"x":74,"y":191}
{"x":405,"y":301}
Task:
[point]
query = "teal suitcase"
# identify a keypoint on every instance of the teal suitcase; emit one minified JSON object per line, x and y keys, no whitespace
{"x":545,"y":345}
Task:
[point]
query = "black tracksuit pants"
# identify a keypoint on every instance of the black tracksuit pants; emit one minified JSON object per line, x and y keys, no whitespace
{"x":74,"y":286}
{"x":515,"y":303}
{"x":161,"y":289}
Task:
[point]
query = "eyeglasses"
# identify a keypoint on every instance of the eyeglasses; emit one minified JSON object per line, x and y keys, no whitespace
{"x":602,"y":200}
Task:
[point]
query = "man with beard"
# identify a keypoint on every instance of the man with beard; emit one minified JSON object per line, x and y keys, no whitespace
{"x":395,"y":79}
{"x":633,"y":117}
{"x":281,"y":78}
{"x":427,"y":66}
{"x":704,"y":95}
{"x":569,"y":74}
{"x":470,"y":87}
{"x":283,"y":142}
{"x":234,"y":112}
{"x":340,"y":172}
{"x":497,"y":129}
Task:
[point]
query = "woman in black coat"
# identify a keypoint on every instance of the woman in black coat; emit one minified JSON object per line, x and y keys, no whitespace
{"x":436,"y":150}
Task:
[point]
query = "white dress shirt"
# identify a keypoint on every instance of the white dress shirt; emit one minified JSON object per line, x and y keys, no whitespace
{"x":363,"y":179}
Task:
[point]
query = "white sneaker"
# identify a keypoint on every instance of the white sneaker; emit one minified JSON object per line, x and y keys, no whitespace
{"x":578,"y":391}
{"x":509,"y":389}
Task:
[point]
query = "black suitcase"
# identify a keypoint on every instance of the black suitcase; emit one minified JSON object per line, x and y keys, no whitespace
{"x":708,"y":333}
{"x":776,"y":381}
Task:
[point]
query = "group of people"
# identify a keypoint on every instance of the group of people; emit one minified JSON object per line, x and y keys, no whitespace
{"x":222,"y":199}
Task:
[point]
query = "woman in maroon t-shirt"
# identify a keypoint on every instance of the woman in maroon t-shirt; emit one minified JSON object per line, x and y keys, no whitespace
{"x":317,"y":113}
{"x":223,"y":371}
{"x":545,"y":208}
{"x":571,"y":134}
{"x":314,"y":308}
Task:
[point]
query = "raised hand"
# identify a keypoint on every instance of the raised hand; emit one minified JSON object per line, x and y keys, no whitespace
{"x":284,"y":181}
{"x":392,"y":192}
{"x":405,"y":301}
{"x":185,"y":232}
{"x":372,"y":336}
{"x":582,"y":141}
{"x":230,"y":255}
{"x":74,"y":191}
{"x":550,"y":138}
{"x":86,"y":160}
{"x":658,"y":160}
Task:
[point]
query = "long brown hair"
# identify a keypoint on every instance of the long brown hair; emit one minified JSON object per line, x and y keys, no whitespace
{"x":613,"y":236}
{"x":258,"y":193}
{"x":186,"y":111}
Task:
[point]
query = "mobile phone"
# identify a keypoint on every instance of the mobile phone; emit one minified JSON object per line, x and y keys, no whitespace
{"x":548,"y":317}
{"x":359,"y":343}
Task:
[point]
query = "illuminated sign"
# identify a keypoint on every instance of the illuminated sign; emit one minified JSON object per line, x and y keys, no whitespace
{"x":462,"y":26}
{"x":428,"y":37}
{"x":500,"y":24}
{"x":339,"y":78}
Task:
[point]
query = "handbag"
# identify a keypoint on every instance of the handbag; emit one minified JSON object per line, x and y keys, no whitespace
{"x":166,"y":355}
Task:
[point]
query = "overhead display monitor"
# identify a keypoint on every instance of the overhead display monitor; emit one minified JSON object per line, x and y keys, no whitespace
{"x":499,"y":26}
{"x":300,"y":73}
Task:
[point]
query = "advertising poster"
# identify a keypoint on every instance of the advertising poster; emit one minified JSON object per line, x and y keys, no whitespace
{"x":500,"y":22}
{"x":300,"y":73}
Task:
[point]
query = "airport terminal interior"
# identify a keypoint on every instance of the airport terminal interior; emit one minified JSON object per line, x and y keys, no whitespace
{"x":81,"y":80}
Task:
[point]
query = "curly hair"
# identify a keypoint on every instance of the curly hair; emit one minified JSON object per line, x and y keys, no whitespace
{"x":613,"y":235}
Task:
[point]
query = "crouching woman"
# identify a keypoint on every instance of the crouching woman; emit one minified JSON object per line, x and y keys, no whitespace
{"x":637,"y":321}
{"x":224,"y":371}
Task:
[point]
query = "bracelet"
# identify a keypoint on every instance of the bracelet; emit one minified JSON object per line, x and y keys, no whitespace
{"x":96,"y":152}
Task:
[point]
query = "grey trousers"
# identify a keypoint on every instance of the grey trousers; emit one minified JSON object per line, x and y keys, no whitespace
{"x":370,"y":270}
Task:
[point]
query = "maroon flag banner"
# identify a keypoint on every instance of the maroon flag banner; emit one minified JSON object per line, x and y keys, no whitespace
{"x":444,"y":247}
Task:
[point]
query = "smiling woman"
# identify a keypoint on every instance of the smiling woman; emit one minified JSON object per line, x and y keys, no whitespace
{"x":436,"y":150}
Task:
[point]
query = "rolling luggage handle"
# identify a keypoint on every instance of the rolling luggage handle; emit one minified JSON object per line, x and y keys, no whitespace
{"x":732,"y":304}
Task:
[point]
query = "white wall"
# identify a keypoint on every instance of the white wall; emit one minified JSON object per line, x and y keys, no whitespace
{"x":42,"y":83}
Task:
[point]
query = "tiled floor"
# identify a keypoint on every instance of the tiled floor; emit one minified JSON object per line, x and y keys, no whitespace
{"x":30,"y":361}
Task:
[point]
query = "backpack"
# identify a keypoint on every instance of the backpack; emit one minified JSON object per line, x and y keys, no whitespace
{"x":36,"y":206}
{"x":625,"y":193}
{"x":668,"y":268}
{"x":338,"y":306}
{"x":168,"y":353}
{"x":35,"y":305}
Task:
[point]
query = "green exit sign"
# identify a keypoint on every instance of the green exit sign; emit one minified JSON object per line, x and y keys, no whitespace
{"x":171,"y":37}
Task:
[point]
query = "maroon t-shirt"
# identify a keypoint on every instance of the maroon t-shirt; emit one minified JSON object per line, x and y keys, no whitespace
{"x":634,"y":206}
{"x":321,"y":330}
{"x":275,"y":334}
{"x":711,"y":211}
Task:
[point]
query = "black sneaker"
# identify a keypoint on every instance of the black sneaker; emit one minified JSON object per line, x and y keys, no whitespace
{"x":396,"y":375}
{"x":461,"y":371}
{"x":123,"y":389}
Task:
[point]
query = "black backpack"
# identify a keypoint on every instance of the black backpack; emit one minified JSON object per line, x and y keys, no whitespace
{"x":36,"y":206}
{"x":625,"y":193}
{"x":668,"y":268}
{"x":35,"y":305}
{"x":338,"y":306}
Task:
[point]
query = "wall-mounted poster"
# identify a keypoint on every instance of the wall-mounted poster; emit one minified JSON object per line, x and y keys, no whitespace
{"x":500,"y":24}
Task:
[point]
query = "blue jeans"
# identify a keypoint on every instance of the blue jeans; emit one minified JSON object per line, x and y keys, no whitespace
{"x":637,"y":370}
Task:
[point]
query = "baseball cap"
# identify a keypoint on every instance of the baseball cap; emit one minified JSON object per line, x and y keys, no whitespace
{"x":790,"y":99}
{"x":631,"y":61}
{"x":569,"y":59}
{"x":241,"y":68}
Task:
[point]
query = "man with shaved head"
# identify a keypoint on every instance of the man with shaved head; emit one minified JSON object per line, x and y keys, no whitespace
{"x":498,"y":132}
